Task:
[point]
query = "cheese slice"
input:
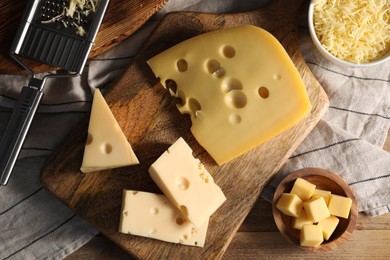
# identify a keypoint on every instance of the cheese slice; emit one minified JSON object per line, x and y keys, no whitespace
{"x":186,"y":183}
{"x":154,"y":216}
{"x":106,"y":146}
{"x":239,"y":86}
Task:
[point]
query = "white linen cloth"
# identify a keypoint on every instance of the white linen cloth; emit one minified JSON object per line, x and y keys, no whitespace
{"x":348,"y":141}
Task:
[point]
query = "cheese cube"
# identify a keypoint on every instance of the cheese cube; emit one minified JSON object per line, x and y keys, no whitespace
{"x":186,"y":183}
{"x":316,"y":209}
{"x":339,"y":206}
{"x":301,"y":220}
{"x":289,"y":204}
{"x":328,"y":226}
{"x":303,"y":189}
{"x":154,"y":216}
{"x":239,"y":86}
{"x":311,"y":235}
{"x":106,"y":146}
{"x":322,"y":193}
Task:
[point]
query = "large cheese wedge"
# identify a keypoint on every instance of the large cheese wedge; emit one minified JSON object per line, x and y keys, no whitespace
{"x":154,"y":216}
{"x":239,"y":86}
{"x":106,"y":146}
{"x":186,"y":183}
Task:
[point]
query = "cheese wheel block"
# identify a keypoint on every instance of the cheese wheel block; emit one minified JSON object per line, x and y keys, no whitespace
{"x":154,"y":216}
{"x":186,"y":183}
{"x":239,"y":86}
{"x":106,"y":146}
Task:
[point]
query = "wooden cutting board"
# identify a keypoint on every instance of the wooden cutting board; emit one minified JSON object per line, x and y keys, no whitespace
{"x":150,"y":120}
{"x":122,"y":18}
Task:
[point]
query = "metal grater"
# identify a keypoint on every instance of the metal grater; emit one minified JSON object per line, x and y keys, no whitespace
{"x":53,"y":43}
{"x":50,"y":34}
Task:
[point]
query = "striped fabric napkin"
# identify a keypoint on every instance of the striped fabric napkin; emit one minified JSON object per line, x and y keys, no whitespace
{"x":348,"y":141}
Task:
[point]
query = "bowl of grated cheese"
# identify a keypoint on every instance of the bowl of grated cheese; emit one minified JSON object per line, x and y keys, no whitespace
{"x":351,"y":33}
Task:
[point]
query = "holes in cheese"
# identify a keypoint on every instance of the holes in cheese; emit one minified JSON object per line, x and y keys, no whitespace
{"x":225,"y":70}
{"x":263,"y":92}
{"x":277,"y":77}
{"x":182,"y":65}
{"x":195,"y":107}
{"x":182,"y":183}
{"x":186,"y":183}
{"x":234,"y":119}
{"x":183,"y":210}
{"x":106,"y":146}
{"x":214,"y":68}
{"x":89,"y":139}
{"x":154,"y":216}
{"x":204,"y":177}
{"x":180,"y":221}
{"x":236,"y":99}
{"x":154,"y":211}
{"x":230,"y":84}
{"x":228,"y":51}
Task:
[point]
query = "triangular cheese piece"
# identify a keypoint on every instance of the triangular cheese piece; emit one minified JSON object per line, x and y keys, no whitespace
{"x":107,"y":146}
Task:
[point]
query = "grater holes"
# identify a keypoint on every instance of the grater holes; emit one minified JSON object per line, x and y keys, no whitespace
{"x":58,"y":14}
{"x":50,"y":10}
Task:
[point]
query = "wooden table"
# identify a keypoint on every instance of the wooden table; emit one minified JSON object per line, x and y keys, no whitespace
{"x":258,"y":238}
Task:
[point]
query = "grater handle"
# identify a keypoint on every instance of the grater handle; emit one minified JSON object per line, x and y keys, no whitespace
{"x":17,"y":129}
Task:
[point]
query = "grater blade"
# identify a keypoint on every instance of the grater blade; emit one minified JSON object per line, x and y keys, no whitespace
{"x":48,"y":33}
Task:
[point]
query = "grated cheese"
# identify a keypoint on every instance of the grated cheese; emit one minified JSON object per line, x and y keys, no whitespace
{"x":355,"y":31}
{"x":77,"y":7}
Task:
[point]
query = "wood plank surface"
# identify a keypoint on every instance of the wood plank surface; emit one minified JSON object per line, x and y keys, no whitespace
{"x":258,"y":238}
{"x":149,"y":118}
{"x":122,"y":18}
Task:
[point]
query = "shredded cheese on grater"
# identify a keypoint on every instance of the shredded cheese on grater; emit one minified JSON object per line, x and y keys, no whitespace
{"x":355,"y":31}
{"x":76,"y":7}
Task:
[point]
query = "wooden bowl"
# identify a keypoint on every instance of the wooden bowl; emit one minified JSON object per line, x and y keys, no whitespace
{"x":325,"y":180}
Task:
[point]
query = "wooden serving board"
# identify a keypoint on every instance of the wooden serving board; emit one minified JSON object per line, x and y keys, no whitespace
{"x":121,"y":19}
{"x":148,"y":116}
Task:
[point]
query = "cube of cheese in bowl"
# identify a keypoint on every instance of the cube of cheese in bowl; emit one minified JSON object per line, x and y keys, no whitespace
{"x":335,"y":229}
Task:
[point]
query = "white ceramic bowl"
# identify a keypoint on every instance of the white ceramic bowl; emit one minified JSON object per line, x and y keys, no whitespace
{"x":328,"y":55}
